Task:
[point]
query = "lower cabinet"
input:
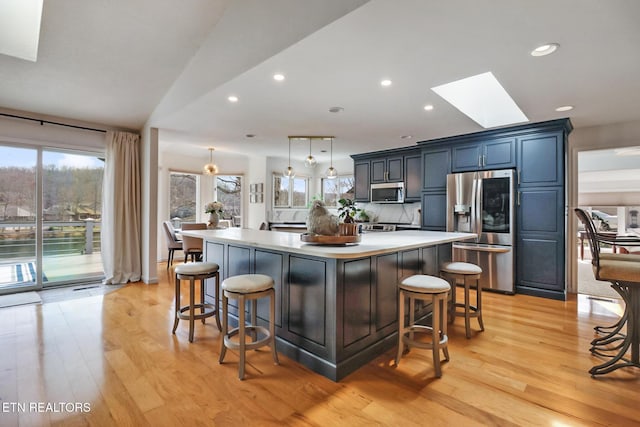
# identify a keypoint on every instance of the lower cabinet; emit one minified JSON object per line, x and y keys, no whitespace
{"x":332,"y":315}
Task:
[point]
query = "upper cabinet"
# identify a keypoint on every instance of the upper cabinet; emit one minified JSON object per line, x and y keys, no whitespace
{"x":541,"y":159}
{"x":362,"y":182}
{"x":436,"y":164}
{"x":400,"y":165}
{"x":494,"y":154}
{"x":387,"y":169}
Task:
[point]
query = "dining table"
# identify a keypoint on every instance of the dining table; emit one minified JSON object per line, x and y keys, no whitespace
{"x":615,"y":344}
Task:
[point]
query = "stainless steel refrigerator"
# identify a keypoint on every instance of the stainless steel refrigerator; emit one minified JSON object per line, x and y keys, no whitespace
{"x":483,"y":203}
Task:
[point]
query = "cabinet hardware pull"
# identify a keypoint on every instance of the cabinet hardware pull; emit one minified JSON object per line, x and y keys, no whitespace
{"x":518,"y":176}
{"x":479,"y":161}
{"x":518,"y":198}
{"x":484,"y":160}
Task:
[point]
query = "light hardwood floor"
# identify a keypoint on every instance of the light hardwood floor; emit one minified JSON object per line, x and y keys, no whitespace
{"x":116,"y":353}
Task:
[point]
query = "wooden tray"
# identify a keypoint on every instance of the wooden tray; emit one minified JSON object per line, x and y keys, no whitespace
{"x":329,"y":240}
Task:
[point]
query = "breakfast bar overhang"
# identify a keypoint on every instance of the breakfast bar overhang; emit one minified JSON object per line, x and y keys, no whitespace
{"x":336,"y":306}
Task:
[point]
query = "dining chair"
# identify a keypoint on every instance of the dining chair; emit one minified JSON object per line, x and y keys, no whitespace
{"x":192,"y":245}
{"x":173,"y":243}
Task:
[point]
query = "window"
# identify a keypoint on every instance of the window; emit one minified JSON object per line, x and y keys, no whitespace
{"x":183,"y":194}
{"x":343,"y":187}
{"x":290,"y":192}
{"x":228,"y":191}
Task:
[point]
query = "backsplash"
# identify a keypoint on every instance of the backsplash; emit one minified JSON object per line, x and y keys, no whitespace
{"x":393,"y":213}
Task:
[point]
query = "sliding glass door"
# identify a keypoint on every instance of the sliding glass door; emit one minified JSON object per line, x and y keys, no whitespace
{"x":18,"y":182}
{"x":50,"y":212}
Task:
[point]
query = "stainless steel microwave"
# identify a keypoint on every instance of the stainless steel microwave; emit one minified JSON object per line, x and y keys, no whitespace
{"x":390,"y":192}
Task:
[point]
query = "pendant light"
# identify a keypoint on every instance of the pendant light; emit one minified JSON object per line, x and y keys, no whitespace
{"x":289,"y":172}
{"x":210,"y":168}
{"x":332,"y":173}
{"x":310,"y":161}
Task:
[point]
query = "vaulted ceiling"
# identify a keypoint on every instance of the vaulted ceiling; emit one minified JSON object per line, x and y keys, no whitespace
{"x":173,"y":66}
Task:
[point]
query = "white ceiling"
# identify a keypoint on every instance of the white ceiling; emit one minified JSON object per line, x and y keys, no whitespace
{"x":125,"y":63}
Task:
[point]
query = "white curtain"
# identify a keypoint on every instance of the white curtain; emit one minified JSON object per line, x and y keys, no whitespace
{"x":121,"y":205}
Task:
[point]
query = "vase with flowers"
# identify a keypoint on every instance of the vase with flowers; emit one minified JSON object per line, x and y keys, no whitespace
{"x":214,"y":209}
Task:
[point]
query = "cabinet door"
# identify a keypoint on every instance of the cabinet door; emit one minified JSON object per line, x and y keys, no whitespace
{"x":362,"y":181}
{"x":499,"y":154}
{"x":541,"y":160}
{"x":378,"y":169}
{"x":395,"y":168}
{"x":434,"y":211}
{"x":412,"y":182}
{"x":466,"y":158}
{"x":436,"y":164}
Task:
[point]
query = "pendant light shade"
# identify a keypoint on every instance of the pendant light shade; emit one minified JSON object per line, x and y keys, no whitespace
{"x":210,"y":168}
{"x":310,"y":161}
{"x":289,"y":172}
{"x":332,"y":173}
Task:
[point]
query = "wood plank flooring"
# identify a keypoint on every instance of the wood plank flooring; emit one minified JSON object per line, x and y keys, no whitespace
{"x":116,"y":353}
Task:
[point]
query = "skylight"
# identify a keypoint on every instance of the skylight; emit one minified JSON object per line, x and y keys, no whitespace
{"x":20,"y":28}
{"x":483,"y":99}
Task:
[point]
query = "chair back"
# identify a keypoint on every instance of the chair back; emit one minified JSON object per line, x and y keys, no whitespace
{"x":594,"y":245}
{"x":170,"y":234}
{"x":192,"y":244}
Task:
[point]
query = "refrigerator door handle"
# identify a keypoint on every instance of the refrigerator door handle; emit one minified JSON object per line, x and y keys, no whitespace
{"x":477,"y":204}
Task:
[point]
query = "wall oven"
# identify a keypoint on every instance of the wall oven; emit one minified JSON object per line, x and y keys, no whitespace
{"x":390,"y":192}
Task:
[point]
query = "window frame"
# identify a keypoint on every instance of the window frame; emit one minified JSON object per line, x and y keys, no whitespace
{"x":339,"y":196}
{"x":290,"y":205}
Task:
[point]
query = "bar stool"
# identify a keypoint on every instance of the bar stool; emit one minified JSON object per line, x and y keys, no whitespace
{"x":248,"y":287}
{"x":427,"y":288}
{"x":466,"y":273}
{"x":192,"y":272}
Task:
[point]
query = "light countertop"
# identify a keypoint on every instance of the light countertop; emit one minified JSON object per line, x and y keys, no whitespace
{"x":371,"y":243}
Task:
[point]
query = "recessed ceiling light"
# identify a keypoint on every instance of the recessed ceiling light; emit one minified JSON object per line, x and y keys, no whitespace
{"x":385,"y":82}
{"x":565,"y":108}
{"x":233,"y":98}
{"x":483,"y":99}
{"x":428,"y":107}
{"x":406,"y":137}
{"x":336,"y":109}
{"x":278,"y":77}
{"x":545,"y":49}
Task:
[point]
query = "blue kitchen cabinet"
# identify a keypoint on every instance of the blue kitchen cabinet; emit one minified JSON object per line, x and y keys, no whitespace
{"x":490,"y":154}
{"x":436,"y":164}
{"x":434,"y":211}
{"x":387,"y":169}
{"x":361,"y":177}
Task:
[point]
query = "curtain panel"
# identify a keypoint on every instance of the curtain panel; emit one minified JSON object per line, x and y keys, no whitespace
{"x":121,"y":209}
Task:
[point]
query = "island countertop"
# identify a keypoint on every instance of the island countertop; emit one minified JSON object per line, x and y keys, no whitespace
{"x":371,"y":243}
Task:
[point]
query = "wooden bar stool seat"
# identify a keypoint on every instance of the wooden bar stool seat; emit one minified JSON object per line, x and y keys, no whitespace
{"x":427,"y":288}
{"x":192,"y":272}
{"x":464,"y":273}
{"x":248,"y":287}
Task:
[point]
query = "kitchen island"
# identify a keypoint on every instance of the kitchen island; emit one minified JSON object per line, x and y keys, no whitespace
{"x":336,"y":306}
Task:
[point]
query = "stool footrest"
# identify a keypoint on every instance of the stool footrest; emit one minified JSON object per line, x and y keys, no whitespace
{"x":209,"y":310}
{"x":251,"y":345}
{"x":423,"y":330}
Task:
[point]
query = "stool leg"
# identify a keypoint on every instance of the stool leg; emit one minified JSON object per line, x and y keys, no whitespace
{"x":202,"y":298}
{"x":435,"y":335}
{"x":272,"y":325}
{"x":177,"y":319}
{"x":241,"y":335}
{"x":467,"y":309}
{"x":191,"y":306}
{"x":479,"y":304}
{"x":225,"y":328}
{"x":400,"y":326}
{"x":254,"y":319}
{"x":443,"y":322}
{"x":412,"y":318}
{"x":452,"y":306}
{"x":217,"y":302}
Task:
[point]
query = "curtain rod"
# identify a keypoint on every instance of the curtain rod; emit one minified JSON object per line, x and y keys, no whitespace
{"x":42,"y":122}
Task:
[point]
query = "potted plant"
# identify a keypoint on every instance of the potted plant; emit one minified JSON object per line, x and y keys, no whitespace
{"x":214,"y":209}
{"x":346,"y":213}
